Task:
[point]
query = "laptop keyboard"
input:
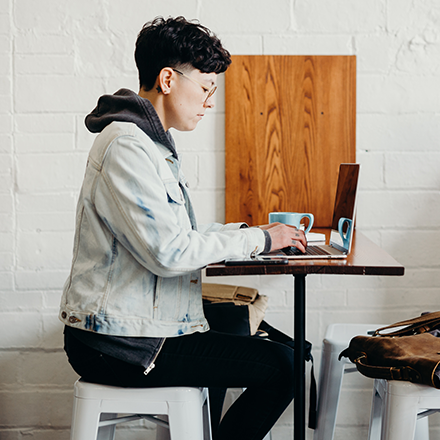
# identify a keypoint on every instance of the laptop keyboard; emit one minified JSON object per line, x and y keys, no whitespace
{"x":310,"y":250}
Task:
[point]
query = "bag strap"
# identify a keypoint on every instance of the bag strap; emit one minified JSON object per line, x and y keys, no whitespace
{"x":388,"y":373}
{"x":421,"y":324}
{"x":278,"y":336}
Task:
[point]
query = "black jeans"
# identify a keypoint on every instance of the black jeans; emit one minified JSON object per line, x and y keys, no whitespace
{"x":213,"y":360}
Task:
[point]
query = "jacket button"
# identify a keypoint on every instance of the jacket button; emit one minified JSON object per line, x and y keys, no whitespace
{"x":64,"y":315}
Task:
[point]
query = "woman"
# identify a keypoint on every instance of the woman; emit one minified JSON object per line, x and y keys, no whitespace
{"x":132,"y":305}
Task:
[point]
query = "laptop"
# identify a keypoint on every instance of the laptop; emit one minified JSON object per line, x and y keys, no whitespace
{"x":342,"y":223}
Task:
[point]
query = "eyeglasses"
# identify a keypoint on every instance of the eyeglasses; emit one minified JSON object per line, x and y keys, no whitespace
{"x":209,"y":91}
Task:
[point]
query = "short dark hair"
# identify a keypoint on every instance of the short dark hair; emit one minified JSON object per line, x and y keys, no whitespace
{"x":176,"y":42}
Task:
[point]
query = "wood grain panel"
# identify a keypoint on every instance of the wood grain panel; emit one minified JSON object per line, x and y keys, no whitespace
{"x":290,"y":122}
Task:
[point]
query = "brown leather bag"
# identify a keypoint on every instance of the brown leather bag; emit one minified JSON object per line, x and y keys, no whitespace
{"x":401,"y":351}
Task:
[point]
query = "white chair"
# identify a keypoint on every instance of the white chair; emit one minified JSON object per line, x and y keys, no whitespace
{"x":337,"y":338}
{"x":399,"y":410}
{"x":96,"y":408}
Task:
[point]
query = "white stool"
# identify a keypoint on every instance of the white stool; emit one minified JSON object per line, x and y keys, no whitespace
{"x":337,"y":338}
{"x":95,"y":410}
{"x":397,"y":406}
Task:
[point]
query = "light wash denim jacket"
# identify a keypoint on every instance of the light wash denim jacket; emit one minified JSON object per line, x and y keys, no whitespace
{"x":137,"y":260}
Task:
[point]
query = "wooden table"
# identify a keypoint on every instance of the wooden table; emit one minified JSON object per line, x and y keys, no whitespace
{"x":366,"y":258}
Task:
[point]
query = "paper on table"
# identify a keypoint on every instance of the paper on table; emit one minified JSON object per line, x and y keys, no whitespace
{"x":313,"y":237}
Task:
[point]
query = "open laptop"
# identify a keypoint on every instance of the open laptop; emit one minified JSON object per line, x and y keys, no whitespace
{"x":342,"y":224}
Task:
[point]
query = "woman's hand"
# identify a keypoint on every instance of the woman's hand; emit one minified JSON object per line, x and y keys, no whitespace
{"x":285,"y":235}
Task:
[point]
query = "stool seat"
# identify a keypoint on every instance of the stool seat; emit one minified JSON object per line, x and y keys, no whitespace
{"x":96,"y":408}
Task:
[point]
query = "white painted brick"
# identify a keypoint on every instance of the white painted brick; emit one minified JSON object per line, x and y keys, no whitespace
{"x":14,"y":301}
{"x":46,"y":369}
{"x":5,"y":24}
{"x":307,"y":45}
{"x":5,"y":90}
{"x":45,"y":143}
{"x":46,"y":222}
{"x":6,"y":222}
{"x":44,"y":434}
{"x":56,"y":93}
{"x":44,"y":250}
{"x":5,"y":182}
{"x":32,"y":408}
{"x":238,"y":44}
{"x":31,"y":43}
{"x":374,"y":53}
{"x":216,"y":17}
{"x":120,"y":20}
{"x":372,"y":170}
{"x":5,"y":44}
{"x":6,"y":124}
{"x":209,"y":206}
{"x":406,"y":132}
{"x":414,"y":278}
{"x":45,"y":123}
{"x":397,"y":93}
{"x":5,"y":105}
{"x":20,"y":330}
{"x":399,"y":209}
{"x":6,"y":281}
{"x":209,"y":135}
{"x":5,"y":143}
{"x":44,"y":64}
{"x":52,"y":16}
{"x":60,"y":172}
{"x":191,"y":169}
{"x":425,"y":254}
{"x":339,"y":16}
{"x":412,"y":170}
{"x":211,"y":170}
{"x":419,"y":54}
{"x":405,"y":14}
{"x":6,"y":259}
{"x":6,"y":204}
{"x":45,"y":203}
{"x":5,"y":64}
{"x":10,"y":362}
{"x":52,"y":331}
{"x":52,"y":300}
{"x":84,"y":138}
{"x":36,"y":279}
{"x":6,"y":242}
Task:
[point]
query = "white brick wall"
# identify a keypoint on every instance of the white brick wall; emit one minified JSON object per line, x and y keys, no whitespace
{"x":56,"y":59}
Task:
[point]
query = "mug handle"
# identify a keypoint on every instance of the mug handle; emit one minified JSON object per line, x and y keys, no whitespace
{"x":311,"y":220}
{"x":341,"y":223}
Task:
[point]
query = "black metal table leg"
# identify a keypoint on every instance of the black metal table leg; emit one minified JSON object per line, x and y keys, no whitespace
{"x":299,"y":411}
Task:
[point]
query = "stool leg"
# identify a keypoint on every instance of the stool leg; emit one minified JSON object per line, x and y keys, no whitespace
{"x":330,"y":380}
{"x":422,"y":429}
{"x":376,"y":414}
{"x":186,"y":420}
{"x":107,"y":432}
{"x":399,"y":416}
{"x":85,"y":419}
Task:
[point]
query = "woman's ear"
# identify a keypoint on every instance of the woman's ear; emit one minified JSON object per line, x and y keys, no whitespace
{"x":164,"y":80}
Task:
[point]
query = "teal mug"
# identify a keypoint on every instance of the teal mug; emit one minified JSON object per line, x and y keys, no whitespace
{"x":291,"y":218}
{"x":345,"y":235}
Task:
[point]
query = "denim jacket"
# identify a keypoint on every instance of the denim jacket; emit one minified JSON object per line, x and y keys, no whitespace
{"x":137,"y":257}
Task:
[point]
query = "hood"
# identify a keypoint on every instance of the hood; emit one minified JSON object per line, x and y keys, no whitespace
{"x":127,"y":106}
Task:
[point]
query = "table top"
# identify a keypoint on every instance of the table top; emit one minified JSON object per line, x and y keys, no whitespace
{"x":366,"y":258}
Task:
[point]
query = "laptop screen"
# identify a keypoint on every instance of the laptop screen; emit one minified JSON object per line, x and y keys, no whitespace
{"x":345,"y":206}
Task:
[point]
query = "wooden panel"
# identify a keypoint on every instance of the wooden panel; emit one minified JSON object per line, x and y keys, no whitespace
{"x":290,"y":122}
